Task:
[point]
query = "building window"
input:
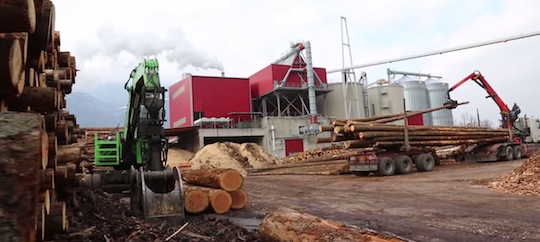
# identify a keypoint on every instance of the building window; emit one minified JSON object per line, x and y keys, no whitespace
{"x":198,"y":115}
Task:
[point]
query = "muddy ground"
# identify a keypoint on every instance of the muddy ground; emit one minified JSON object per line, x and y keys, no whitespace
{"x":451,"y":203}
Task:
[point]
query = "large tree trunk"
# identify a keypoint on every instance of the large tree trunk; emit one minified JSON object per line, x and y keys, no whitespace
{"x":220,"y":200}
{"x":20,"y":152}
{"x":17,"y":16}
{"x":221,"y":178}
{"x":286,"y":224}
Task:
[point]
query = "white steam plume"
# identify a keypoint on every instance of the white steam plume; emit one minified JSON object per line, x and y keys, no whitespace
{"x":171,"y":43}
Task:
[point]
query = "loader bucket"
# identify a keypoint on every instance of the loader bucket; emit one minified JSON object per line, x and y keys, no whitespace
{"x":158,"y":194}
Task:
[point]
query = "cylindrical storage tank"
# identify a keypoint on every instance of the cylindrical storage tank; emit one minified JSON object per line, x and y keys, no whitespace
{"x":333,"y":104}
{"x":386,"y":99}
{"x":416,"y":96}
{"x":437,"y":90}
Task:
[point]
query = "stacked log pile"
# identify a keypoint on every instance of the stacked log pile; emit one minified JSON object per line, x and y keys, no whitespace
{"x":217,"y":190}
{"x":374,"y":132}
{"x":286,"y":224}
{"x":35,"y":76}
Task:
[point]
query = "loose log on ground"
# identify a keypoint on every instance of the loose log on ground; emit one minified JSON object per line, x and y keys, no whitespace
{"x":11,"y":64}
{"x":220,"y":200}
{"x":335,"y":159}
{"x":285,"y":224}
{"x":20,"y":146}
{"x":239,"y":198}
{"x":221,"y":178}
{"x":17,"y":16}
{"x":336,"y":167}
{"x":195,"y":200}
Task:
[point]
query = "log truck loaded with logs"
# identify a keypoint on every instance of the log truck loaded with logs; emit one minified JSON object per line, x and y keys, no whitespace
{"x":395,"y":148}
{"x":138,"y":154}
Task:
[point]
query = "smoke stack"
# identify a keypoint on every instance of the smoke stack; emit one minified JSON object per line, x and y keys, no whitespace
{"x":222,"y":74}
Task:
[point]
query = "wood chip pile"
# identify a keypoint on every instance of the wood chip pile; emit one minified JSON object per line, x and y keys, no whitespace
{"x":524,"y":180}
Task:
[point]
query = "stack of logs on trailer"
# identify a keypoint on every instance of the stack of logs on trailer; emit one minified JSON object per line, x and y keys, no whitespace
{"x":39,"y":156}
{"x":375,"y":132}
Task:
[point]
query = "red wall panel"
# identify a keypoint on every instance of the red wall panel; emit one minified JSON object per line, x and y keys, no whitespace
{"x":416,"y":120}
{"x":180,"y":106}
{"x":219,"y":96}
{"x":262,"y":82}
{"x":293,"y":146}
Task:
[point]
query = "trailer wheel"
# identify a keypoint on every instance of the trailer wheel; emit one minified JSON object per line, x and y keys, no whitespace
{"x":387,"y":166}
{"x":361,"y":173}
{"x":403,"y":164}
{"x":517,"y":153}
{"x":425,"y":162}
{"x":508,"y":153}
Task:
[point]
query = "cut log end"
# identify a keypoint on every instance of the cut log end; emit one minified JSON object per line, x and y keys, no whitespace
{"x":220,"y":201}
{"x":239,"y":198}
{"x":231,"y":180}
{"x":196,"y":201}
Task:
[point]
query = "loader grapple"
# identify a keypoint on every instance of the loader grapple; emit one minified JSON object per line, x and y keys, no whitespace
{"x":157,"y":194}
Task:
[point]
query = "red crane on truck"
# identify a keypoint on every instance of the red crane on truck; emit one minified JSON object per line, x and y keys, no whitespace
{"x":515,"y":148}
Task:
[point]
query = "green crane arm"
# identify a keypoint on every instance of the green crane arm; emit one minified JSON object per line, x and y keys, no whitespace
{"x":142,"y":140}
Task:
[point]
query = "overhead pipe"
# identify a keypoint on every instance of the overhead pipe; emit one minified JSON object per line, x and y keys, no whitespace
{"x":391,"y":72}
{"x":497,"y":41}
{"x":295,"y":48}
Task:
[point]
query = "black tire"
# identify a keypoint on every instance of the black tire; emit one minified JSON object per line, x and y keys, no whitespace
{"x":404,"y":164}
{"x":517,"y":153}
{"x":425,"y":162}
{"x":508,"y":153}
{"x":361,"y":173}
{"x":387,"y":166}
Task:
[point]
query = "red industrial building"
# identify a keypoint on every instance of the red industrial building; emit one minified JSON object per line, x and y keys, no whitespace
{"x":197,"y":97}
{"x":274,"y":107}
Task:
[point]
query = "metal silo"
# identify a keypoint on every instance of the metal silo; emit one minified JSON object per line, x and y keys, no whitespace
{"x":386,"y":99}
{"x":416,"y":96}
{"x":332,"y":104}
{"x":437,"y":90}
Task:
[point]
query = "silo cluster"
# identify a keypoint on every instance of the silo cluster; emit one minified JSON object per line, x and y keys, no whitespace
{"x":425,"y":94}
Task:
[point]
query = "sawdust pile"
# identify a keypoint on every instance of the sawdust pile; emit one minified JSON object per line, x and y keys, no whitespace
{"x":175,"y":156}
{"x":522,"y":180}
{"x":232,"y":155}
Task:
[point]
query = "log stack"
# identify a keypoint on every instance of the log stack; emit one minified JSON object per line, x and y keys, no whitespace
{"x":218,"y":190}
{"x":375,"y":132}
{"x":35,"y":76}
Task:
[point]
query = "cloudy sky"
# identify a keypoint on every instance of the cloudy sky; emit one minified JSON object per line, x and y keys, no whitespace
{"x":241,"y":37}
